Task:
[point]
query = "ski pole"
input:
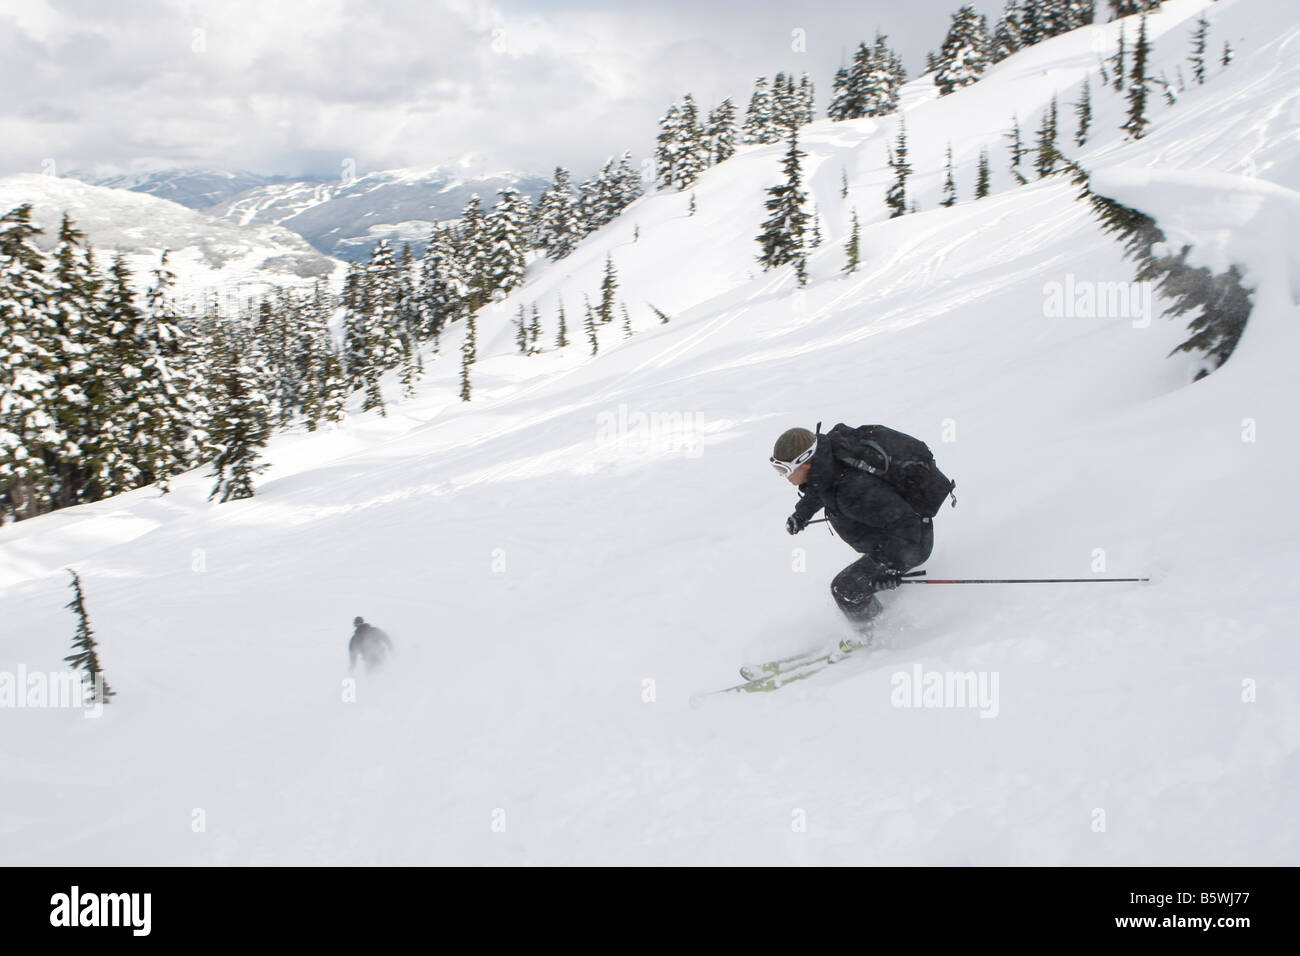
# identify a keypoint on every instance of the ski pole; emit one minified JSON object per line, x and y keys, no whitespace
{"x":915,"y":580}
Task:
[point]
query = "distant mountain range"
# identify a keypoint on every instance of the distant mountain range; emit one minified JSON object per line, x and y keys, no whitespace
{"x":208,"y":255}
{"x":342,"y":218}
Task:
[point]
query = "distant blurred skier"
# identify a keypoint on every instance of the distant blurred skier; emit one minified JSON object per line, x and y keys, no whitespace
{"x":370,"y":644}
{"x":880,"y":489}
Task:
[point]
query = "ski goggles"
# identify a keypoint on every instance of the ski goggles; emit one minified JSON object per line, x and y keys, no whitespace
{"x":787,"y":468}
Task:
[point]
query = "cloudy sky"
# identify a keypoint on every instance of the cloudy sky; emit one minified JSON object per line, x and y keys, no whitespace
{"x":302,"y":86}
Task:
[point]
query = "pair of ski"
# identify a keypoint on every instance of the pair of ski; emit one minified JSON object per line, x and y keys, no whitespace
{"x":773,"y":675}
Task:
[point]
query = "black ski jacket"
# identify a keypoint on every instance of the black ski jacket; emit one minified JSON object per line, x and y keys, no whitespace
{"x":870,"y":516}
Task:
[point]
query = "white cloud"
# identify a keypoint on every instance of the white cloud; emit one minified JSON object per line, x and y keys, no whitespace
{"x":298,"y":87}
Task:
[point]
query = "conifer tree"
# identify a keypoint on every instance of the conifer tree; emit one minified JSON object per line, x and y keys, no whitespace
{"x":589,"y":323}
{"x":506,"y":256}
{"x":693,"y":150}
{"x":844,"y":183}
{"x":86,"y":652}
{"x":720,"y":133}
{"x":982,"y":176}
{"x":356,"y":328}
{"x":562,"y":335}
{"x":521,"y":330}
{"x":1018,"y":150}
{"x":442,"y":288}
{"x":851,"y":248}
{"x":534,"y":330}
{"x":1119,"y":63}
{"x":1083,"y":110}
{"x":158,"y":402}
{"x":965,"y":52}
{"x":663,"y":316}
{"x":28,"y":429}
{"x":275,"y":319}
{"x":1007,"y":38}
{"x":807,"y":97}
{"x":1046,"y":151}
{"x":816,"y":220}
{"x":896,"y":197}
{"x":627,"y":322}
{"x":1226,"y":58}
{"x":608,"y":289}
{"x":82,"y":373}
{"x":1200,"y":43}
{"x":949,"y":184}
{"x":1138,"y":120}
{"x":559,"y":221}
{"x":468,"y":355}
{"x":241,"y":424}
{"x":782,"y":238}
{"x":839,"y":106}
{"x":628,"y":180}
{"x":757,"y":127}
{"x":472,"y":249}
{"x":690,"y":211}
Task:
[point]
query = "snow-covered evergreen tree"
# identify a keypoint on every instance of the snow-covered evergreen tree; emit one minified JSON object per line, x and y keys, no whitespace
{"x":627,"y":322}
{"x":1018,"y":150}
{"x":81,"y":367}
{"x":681,"y":151}
{"x":508,"y":249}
{"x":896,"y":197}
{"x":562,"y":332}
{"x":851,"y":248}
{"x":1083,"y":110}
{"x":720,"y":132}
{"x":442,"y":288}
{"x":85,"y":656}
{"x":782,"y":238}
{"x":608,"y":290}
{"x":965,"y":52}
{"x":589,"y":324}
{"x":1200,"y":43}
{"x":869,"y":87}
{"x":241,"y":419}
{"x":473,"y":244}
{"x":28,"y":426}
{"x":1120,"y":61}
{"x":1007,"y":36}
{"x":1046,"y":153}
{"x":468,"y":356}
{"x":758,"y":126}
{"x":841,"y":104}
{"x":534,"y":330}
{"x":157,"y":400}
{"x":982,"y":175}
{"x":807,"y":100}
{"x":949,"y":184}
{"x":628,"y":181}
{"x":1138,"y":120}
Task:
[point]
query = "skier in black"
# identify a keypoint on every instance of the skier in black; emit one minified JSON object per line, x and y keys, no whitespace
{"x":369,"y":643}
{"x":864,"y":510}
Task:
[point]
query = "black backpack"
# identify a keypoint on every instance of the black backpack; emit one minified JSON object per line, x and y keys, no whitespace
{"x":904,"y":463}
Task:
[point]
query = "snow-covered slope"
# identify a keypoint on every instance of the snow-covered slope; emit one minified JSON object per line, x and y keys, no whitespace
{"x":566,"y":560}
{"x":207,"y":254}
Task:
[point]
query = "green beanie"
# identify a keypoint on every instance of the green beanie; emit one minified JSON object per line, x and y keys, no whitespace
{"x":793,"y":443}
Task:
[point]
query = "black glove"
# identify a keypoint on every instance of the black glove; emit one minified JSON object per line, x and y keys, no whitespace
{"x":794,"y":524}
{"x":887,"y":581}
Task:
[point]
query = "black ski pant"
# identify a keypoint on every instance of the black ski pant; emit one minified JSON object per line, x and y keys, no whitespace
{"x":854,"y":588}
